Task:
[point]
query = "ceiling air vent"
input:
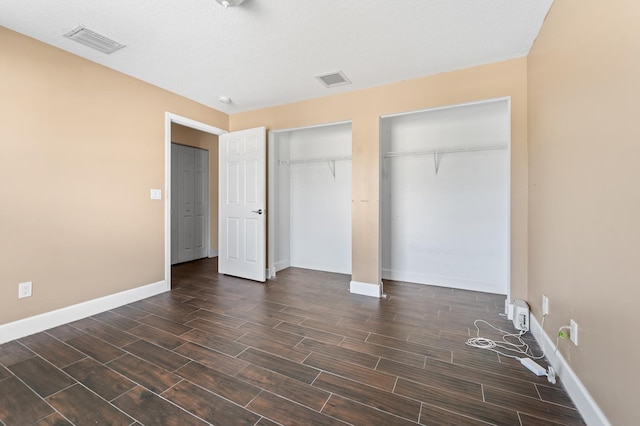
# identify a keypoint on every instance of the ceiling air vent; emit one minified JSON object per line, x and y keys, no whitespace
{"x":333,"y":79}
{"x":93,"y":40}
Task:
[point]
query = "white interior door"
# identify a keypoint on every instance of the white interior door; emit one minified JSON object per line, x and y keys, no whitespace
{"x":242,"y":204}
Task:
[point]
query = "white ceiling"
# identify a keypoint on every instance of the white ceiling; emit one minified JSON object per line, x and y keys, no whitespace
{"x":266,"y":52}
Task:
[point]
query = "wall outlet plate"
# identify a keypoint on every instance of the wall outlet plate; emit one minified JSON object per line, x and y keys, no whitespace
{"x":156,"y":194}
{"x":573,"y":333}
{"x":24,"y":289}
{"x":545,"y":305}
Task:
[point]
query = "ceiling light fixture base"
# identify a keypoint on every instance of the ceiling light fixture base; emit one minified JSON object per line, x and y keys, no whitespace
{"x":229,"y":3}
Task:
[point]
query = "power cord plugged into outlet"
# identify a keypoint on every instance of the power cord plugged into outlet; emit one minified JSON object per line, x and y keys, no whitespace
{"x":563,"y":332}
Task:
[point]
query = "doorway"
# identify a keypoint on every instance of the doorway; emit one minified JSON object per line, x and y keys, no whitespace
{"x":174,"y":124}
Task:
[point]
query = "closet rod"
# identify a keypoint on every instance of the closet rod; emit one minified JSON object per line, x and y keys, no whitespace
{"x":314,"y":160}
{"x":445,"y":151}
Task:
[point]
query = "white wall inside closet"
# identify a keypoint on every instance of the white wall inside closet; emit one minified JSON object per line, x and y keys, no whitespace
{"x":310,"y":198}
{"x":445,"y":216}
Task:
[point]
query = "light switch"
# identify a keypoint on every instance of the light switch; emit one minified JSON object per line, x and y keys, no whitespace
{"x":156,"y":194}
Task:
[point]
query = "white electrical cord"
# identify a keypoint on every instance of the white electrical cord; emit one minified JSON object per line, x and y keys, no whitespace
{"x":517,"y":348}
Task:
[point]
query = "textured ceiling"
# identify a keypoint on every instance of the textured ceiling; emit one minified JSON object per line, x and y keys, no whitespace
{"x":266,"y":52}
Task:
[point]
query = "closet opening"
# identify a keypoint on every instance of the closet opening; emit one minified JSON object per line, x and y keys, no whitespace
{"x":445,"y":179}
{"x":309,"y":187}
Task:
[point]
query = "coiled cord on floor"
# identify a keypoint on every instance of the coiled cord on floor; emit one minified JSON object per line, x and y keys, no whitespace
{"x":511,"y":349}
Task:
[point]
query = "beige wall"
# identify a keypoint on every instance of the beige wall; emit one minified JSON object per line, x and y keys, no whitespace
{"x":584,"y":194}
{"x":203,"y":140}
{"x":365,"y":107}
{"x":82,"y":145}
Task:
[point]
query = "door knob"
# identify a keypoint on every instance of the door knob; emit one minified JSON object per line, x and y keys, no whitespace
{"x":259,"y":211}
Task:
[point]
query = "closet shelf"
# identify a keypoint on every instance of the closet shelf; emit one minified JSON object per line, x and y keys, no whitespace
{"x":331,"y":162}
{"x":446,"y":150}
{"x":314,"y":160}
{"x":437,"y":152}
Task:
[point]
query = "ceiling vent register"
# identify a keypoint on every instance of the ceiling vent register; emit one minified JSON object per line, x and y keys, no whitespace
{"x":333,"y":79}
{"x":94,"y":40}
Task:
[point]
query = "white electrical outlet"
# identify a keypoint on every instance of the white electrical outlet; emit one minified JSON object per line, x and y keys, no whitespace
{"x":573,"y":332}
{"x":24,"y":289}
{"x":545,"y":305}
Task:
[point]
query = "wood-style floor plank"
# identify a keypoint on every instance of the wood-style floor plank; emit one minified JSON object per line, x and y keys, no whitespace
{"x":369,"y":395}
{"x":284,"y":386}
{"x":208,"y":406}
{"x":274,"y":347}
{"x":430,"y":415}
{"x":210,"y":340}
{"x":150,"y":409}
{"x":300,"y":372}
{"x":532,"y":406}
{"x":157,"y":355}
{"x":471,"y":407}
{"x":298,"y":349}
{"x":359,"y":414}
{"x":100,"y":379}
{"x":340,"y":353}
{"x":83,"y":407}
{"x":289,"y":413}
{"x":158,"y":337}
{"x":44,"y":378}
{"x":54,"y":419}
{"x":112,"y":335}
{"x":432,"y":378}
{"x":408,"y":358}
{"x":146,"y":374}
{"x":352,"y":371}
{"x":216,"y":360}
{"x":165,"y":325}
{"x":13,"y":352}
{"x":95,"y":348}
{"x":19,"y":405}
{"x":52,"y":349}
{"x":335,"y":329}
{"x":219,"y":383}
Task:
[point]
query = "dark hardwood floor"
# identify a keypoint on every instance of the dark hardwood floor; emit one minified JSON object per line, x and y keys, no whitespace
{"x":298,"y":350}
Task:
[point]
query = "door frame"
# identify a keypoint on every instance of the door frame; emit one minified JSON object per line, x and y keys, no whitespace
{"x":170,"y":118}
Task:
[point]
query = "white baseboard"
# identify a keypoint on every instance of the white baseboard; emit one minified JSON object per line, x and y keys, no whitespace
{"x":283,"y":264}
{"x":271,"y":273}
{"x":325,"y":267}
{"x":366,"y":289}
{"x":585,"y":403}
{"x":444,"y":281}
{"x":213,"y":253}
{"x":35,"y":324}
